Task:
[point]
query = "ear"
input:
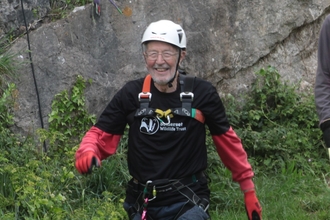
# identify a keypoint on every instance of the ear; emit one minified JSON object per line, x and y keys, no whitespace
{"x":183,"y":55}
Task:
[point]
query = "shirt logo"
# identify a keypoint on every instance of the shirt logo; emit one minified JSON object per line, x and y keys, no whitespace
{"x":149,"y":125}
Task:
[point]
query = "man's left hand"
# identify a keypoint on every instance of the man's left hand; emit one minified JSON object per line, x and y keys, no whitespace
{"x":252,"y":205}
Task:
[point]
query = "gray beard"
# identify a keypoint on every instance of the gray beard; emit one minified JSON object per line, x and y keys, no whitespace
{"x":163,"y":83}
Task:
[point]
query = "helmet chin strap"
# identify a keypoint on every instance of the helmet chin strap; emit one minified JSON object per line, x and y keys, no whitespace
{"x":176,"y":71}
{"x":170,"y":82}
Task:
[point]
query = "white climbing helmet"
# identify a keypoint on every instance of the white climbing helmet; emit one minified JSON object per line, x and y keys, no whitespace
{"x":165,"y":31}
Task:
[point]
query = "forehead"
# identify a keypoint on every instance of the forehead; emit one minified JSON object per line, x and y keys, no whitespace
{"x":158,"y":45}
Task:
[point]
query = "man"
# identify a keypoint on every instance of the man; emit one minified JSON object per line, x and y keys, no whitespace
{"x":167,"y":113}
{"x":322,"y":82}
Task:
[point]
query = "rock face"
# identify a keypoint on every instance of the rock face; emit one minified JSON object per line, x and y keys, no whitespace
{"x":11,"y":15}
{"x":227,"y":42}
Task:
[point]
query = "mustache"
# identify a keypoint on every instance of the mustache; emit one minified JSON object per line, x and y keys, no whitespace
{"x":163,"y":66}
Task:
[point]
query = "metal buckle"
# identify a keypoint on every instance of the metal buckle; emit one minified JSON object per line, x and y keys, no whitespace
{"x":142,"y":95}
{"x":186,"y":96}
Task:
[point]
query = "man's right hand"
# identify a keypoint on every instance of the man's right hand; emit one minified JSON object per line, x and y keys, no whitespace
{"x":86,"y":161}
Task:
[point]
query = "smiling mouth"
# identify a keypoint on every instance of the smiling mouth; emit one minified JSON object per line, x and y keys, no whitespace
{"x":161,"y":69}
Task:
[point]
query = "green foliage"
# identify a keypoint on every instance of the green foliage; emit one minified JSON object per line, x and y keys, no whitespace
{"x":278,"y":125}
{"x":278,"y":128}
{"x":8,"y":65}
{"x":69,"y":119}
{"x":8,"y":95}
{"x":61,"y":8}
{"x":37,"y":185}
{"x":7,"y":99}
{"x":40,"y":187}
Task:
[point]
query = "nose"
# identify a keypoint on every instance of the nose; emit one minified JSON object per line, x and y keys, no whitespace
{"x":160,"y":58}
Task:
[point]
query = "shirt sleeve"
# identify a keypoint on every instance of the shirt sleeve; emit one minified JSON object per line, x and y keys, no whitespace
{"x":114,"y":118}
{"x":228,"y":144}
{"x":101,"y":143}
{"x":322,"y":81}
{"x":234,"y":157}
{"x":104,"y":136}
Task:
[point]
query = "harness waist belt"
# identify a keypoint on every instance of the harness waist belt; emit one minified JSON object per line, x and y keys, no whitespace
{"x":166,"y":183}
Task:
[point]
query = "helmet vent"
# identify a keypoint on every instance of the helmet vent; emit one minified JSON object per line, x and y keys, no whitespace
{"x":159,"y":34}
{"x":180,"y":34}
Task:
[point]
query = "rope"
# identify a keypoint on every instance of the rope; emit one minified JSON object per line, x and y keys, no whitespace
{"x":33,"y":74}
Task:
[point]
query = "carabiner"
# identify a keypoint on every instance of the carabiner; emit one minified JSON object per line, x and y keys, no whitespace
{"x":145,"y":191}
{"x":154,"y":193}
{"x":168,"y":120}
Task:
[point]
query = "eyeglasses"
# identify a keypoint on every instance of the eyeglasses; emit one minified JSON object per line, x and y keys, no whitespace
{"x":153,"y":55}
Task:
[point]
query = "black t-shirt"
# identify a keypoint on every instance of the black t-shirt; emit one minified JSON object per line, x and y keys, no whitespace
{"x":159,"y":151}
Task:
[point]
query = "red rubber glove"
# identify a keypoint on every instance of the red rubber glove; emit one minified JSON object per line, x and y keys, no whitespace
{"x":86,"y":161}
{"x":252,"y":205}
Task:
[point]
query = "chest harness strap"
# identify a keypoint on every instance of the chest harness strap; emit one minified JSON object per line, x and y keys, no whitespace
{"x":186,"y":97}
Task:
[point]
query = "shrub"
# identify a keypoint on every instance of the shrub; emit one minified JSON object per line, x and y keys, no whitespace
{"x":278,"y":125}
{"x":69,"y":119}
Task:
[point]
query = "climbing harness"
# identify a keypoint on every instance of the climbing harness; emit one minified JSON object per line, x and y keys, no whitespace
{"x":186,"y":97}
{"x":151,"y":188}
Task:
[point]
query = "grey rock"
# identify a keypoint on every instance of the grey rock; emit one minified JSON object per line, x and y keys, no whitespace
{"x":227,"y":42}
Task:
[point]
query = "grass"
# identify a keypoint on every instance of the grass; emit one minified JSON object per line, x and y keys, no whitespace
{"x":8,"y":66}
{"x":289,"y":195}
{"x":293,"y":197}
